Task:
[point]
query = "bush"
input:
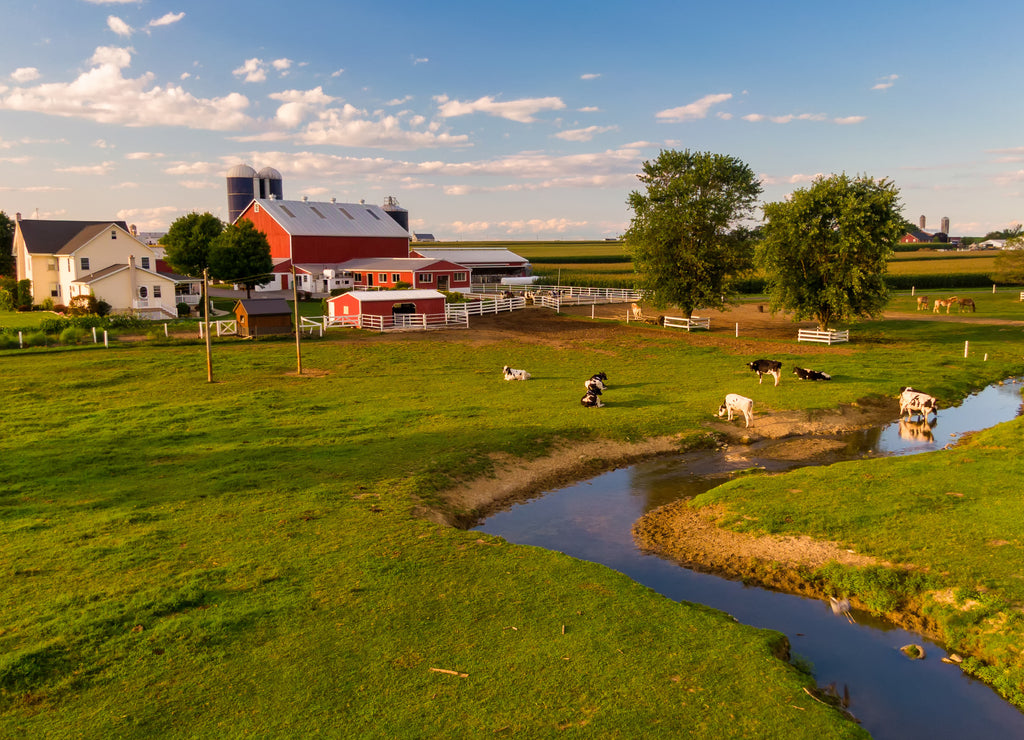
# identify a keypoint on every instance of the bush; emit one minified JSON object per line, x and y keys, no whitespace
{"x":47,"y":305}
{"x":125,"y":321}
{"x":102,"y":308}
{"x":183,"y":310}
{"x":8,"y":341}
{"x":72,"y":335}
{"x":54,"y":326}
{"x":81,"y":305}
{"x":60,"y":308}
{"x":23,"y":297}
{"x":6,"y":300}
{"x":35,"y":339}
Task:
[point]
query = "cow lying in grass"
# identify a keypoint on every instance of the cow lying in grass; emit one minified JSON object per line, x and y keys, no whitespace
{"x":766,"y":367}
{"x":915,"y":402}
{"x":804,"y":374}
{"x":592,"y":398}
{"x":737,"y":404}
{"x":512,"y":374}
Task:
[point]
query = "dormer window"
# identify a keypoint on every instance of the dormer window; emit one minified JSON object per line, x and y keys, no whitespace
{"x":113,"y":233}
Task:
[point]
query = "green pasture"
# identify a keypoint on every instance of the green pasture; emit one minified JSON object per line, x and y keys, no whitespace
{"x":253,"y":556}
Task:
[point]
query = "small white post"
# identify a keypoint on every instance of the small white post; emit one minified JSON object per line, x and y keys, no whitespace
{"x":993,"y":288}
{"x":94,"y":339}
{"x":737,"y":330}
{"x":165,"y":329}
{"x":965,"y":349}
{"x":912,"y":289}
{"x":200,"y":330}
{"x":591,"y":310}
{"x":986,"y":357}
{"x":21,"y":343}
{"x":105,"y":343}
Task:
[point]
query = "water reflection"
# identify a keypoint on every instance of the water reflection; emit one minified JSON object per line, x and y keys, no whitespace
{"x":893,"y":696}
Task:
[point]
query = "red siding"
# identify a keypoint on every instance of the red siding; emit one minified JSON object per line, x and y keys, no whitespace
{"x":383,"y":308}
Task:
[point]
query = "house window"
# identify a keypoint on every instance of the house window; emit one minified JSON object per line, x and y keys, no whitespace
{"x":359,"y":277}
{"x":51,"y":265}
{"x":427,"y":277}
{"x":113,"y":233}
{"x":256,"y":208}
{"x":145,"y":263}
{"x":382,"y":277}
{"x":85,"y":263}
{"x":54,"y":290}
{"x":156,"y":291}
{"x":460,"y":277}
{"x":143,"y":292}
{"x":396,"y":277}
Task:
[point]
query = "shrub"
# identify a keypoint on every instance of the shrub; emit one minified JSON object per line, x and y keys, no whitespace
{"x":102,"y":308}
{"x":55,"y":325}
{"x":183,"y":310}
{"x":80,"y":305}
{"x":23,"y":297}
{"x":72,"y":335}
{"x":47,"y":305}
{"x":8,"y":341}
{"x":6,"y":300}
{"x":35,"y":339}
{"x":60,"y":308}
{"x":125,"y":321}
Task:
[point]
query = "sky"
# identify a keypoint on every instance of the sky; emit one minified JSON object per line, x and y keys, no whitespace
{"x":524,"y":121}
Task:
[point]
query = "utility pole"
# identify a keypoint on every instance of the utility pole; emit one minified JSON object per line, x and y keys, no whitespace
{"x":206,"y":322}
{"x":298,"y":344}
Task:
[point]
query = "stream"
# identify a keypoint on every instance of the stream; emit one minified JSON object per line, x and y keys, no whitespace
{"x":891,"y":695}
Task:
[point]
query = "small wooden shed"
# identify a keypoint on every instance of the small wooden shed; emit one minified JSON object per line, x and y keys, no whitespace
{"x":263,"y":317}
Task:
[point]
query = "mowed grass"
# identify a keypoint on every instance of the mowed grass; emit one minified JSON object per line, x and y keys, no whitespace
{"x":192,"y":560}
{"x":244,"y":558}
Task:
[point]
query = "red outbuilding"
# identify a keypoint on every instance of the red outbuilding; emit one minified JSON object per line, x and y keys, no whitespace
{"x":420,"y":273}
{"x":384,"y":309}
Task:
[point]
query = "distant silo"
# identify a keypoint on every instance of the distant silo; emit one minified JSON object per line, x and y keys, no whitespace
{"x":399,"y":214}
{"x":242,"y":189}
{"x":271,"y":184}
{"x":922,"y":222}
{"x":945,"y":225}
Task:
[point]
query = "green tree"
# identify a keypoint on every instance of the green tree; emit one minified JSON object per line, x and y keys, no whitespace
{"x":188,"y":242}
{"x":241,"y":254}
{"x":826,"y":248}
{"x":7,"y":265}
{"x":686,"y":237}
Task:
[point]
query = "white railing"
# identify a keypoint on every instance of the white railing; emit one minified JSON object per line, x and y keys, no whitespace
{"x":826,"y":337}
{"x":694,"y":322}
{"x":396,"y":322}
{"x":189,"y":298}
{"x":566,"y":292}
{"x":486,"y":305}
{"x":222,"y":327}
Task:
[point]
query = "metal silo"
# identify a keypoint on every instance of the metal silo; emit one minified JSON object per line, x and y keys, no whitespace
{"x":945,"y":225}
{"x":399,"y":214}
{"x":271,"y":184}
{"x":241,"y":189}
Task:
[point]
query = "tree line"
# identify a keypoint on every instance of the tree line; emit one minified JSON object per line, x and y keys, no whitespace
{"x":823,"y":250}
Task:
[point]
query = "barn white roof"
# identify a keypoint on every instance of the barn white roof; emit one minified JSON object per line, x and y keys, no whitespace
{"x":391,"y":295}
{"x":310,"y":218}
{"x":484,"y":257}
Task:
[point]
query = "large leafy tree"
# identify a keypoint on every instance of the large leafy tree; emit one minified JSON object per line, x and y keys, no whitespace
{"x":241,"y":254}
{"x":187,"y":242}
{"x":825,"y":250}
{"x":6,"y":245}
{"x":686,"y":237}
{"x":1009,"y":264}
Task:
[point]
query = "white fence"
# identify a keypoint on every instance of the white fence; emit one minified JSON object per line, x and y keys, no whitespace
{"x":694,"y":322}
{"x":486,"y":305}
{"x":825,"y":337}
{"x":568,"y":294}
{"x":395,"y":322}
{"x":222,"y":327}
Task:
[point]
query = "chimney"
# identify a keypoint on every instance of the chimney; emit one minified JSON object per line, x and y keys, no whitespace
{"x":131,"y":272}
{"x":305,"y":198}
{"x":17,"y":217}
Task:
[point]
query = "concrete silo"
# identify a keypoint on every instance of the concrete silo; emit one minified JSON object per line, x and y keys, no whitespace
{"x":945,"y":225}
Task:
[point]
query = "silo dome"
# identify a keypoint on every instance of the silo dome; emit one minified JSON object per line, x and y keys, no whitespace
{"x":242,"y":170}
{"x":271,"y":184}
{"x":269,"y":173}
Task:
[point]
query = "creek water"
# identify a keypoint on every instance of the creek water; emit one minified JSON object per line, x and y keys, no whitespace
{"x":891,"y":695}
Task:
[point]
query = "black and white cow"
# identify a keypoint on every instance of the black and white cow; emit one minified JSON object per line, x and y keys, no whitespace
{"x":805,"y":374}
{"x":915,"y":402}
{"x":592,"y":398}
{"x":917,"y":431}
{"x":599,"y":381}
{"x":512,"y":374}
{"x":737,"y":404}
{"x":766,"y":367}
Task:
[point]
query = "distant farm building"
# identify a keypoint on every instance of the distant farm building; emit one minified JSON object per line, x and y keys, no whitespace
{"x":388,"y":306}
{"x":263,"y":317}
{"x":489,"y":264}
{"x":415,"y":272}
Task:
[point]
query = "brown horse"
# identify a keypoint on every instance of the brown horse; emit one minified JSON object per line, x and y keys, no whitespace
{"x":922,"y":303}
{"x":966,"y":303}
{"x":945,"y":303}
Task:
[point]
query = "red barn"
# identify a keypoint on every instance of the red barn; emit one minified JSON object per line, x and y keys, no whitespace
{"x":385,"y":309}
{"x":326,"y":233}
{"x":415,"y":272}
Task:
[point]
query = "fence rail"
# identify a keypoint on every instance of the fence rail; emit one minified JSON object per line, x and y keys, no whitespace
{"x":565,"y":292}
{"x":825,"y":337}
{"x":694,"y":322}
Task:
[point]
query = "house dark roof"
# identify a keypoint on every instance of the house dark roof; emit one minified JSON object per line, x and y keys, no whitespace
{"x":265,"y":306}
{"x":57,"y":237}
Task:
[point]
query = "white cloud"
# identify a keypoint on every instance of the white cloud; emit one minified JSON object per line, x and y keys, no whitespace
{"x":166,"y":19}
{"x":399,"y":101}
{"x":693,"y":111}
{"x":88,"y":169}
{"x":337,"y":73}
{"x":252,"y":70}
{"x":420,"y":60}
{"x":282,"y":65}
{"x":584,"y":134}
{"x":589,"y":109}
{"x":102,"y":144}
{"x":886,"y":82}
{"x":150,"y":219}
{"x":199,"y":184}
{"x":532,"y":226}
{"x":589,"y":76}
{"x":299,"y":104}
{"x":753,"y":117}
{"x":350,"y":126}
{"x":125,"y":186}
{"x":118,"y":26}
{"x":522,"y":110}
{"x":103,"y":94}
{"x":25,"y":74}
{"x":143,"y":155}
{"x":789,"y":179}
{"x":848,"y":120}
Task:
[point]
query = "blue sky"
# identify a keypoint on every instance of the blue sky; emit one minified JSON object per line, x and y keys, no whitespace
{"x":522,"y":120}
